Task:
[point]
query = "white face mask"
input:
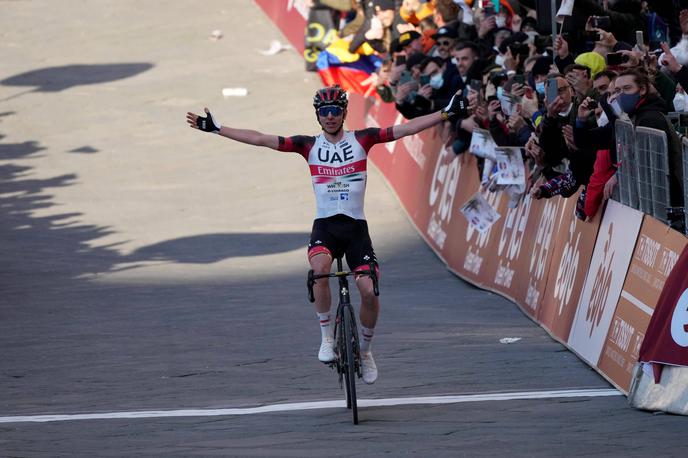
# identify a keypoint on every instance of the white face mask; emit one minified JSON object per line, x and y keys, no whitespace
{"x":499,"y":60}
{"x":454,"y":61}
{"x":681,"y":102}
{"x":436,"y":81}
{"x":500,"y":21}
{"x":531,"y":36}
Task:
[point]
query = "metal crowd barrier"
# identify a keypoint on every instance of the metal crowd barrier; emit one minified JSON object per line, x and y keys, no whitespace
{"x":628,"y":170}
{"x":652,"y":151}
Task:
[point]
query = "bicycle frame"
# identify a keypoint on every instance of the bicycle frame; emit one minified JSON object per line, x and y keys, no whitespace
{"x":348,"y":361}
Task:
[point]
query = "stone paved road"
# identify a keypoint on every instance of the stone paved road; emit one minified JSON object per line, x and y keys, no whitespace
{"x":145,"y":266}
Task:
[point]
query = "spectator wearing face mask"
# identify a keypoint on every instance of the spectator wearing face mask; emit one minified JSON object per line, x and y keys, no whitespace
{"x":647,"y":109}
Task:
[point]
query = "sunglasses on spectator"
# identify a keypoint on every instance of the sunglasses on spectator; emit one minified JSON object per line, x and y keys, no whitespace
{"x":334,"y":110}
{"x":444,"y":42}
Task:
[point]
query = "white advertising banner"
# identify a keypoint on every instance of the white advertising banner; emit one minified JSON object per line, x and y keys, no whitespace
{"x":610,"y":259}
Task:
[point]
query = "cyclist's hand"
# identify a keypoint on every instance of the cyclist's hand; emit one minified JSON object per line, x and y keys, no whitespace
{"x":458,"y":105}
{"x":206,"y":124}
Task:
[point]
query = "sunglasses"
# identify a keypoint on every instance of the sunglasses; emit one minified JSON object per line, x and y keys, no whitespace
{"x":327,"y":110}
{"x":444,"y":42}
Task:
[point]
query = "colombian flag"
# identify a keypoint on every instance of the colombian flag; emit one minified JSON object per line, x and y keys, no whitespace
{"x":351,"y":71}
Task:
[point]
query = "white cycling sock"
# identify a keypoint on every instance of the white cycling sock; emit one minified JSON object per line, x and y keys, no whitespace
{"x":366,"y":337}
{"x":325,"y":325}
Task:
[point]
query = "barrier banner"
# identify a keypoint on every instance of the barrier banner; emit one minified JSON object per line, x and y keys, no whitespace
{"x":572,"y":248}
{"x":470,"y":254}
{"x":533,"y":265}
{"x":610,"y":259}
{"x":666,"y":340}
{"x":290,"y":17}
{"x":655,"y":255}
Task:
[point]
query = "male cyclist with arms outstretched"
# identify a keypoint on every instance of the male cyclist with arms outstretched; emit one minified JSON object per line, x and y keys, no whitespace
{"x":338,"y":164}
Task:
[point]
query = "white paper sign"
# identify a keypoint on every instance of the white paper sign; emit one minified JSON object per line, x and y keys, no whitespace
{"x":566,"y":8}
{"x":482,"y":144}
{"x":511,"y":169}
{"x":479,"y":213}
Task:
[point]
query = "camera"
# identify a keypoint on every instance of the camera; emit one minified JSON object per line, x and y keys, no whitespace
{"x":601,"y":22}
{"x":519,"y":49}
{"x":593,"y":104}
{"x":617,"y":58}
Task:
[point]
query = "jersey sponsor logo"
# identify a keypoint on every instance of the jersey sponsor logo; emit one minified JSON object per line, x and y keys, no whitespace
{"x":335,"y":156}
{"x":344,"y":196}
{"x":327,"y":171}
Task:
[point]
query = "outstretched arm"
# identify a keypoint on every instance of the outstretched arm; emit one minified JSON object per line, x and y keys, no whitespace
{"x":457,"y":106}
{"x":251,"y":137}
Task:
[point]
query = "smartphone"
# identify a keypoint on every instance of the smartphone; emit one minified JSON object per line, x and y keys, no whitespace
{"x":591,"y":35}
{"x":476,"y":85}
{"x":592,"y":105}
{"x":401,"y":60}
{"x":489,"y":10}
{"x":617,"y":58}
{"x":424,"y":79}
{"x":639,"y":40}
{"x":552,"y":90}
{"x":405,"y":77}
{"x":601,"y":22}
{"x":520,"y":79}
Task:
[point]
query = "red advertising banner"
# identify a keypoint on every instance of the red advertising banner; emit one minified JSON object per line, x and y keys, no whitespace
{"x":656,"y":252}
{"x":533,"y":264}
{"x":290,"y":17}
{"x":573,"y":242}
{"x":666,"y":340}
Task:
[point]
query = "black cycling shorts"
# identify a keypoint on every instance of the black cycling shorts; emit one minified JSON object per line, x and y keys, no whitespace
{"x":342,"y":235}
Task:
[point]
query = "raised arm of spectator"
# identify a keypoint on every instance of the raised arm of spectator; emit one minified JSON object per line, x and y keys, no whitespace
{"x":563,"y":57}
{"x":679,"y":71}
{"x":251,"y":137}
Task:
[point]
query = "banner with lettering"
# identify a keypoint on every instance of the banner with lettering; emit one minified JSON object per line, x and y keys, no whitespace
{"x":610,"y":259}
{"x":666,"y":340}
{"x":290,"y":16}
{"x":656,"y":252}
{"x":573,"y":242}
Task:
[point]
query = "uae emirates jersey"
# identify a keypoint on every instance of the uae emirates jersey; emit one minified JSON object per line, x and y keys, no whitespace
{"x":338,"y":170}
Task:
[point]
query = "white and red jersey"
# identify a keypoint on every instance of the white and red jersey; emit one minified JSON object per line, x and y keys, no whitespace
{"x":338,"y":171}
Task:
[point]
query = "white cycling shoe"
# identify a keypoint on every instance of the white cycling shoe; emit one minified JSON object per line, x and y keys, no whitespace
{"x":368,"y":368}
{"x":326,"y":353}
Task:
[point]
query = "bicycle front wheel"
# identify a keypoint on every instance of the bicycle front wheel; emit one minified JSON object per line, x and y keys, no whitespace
{"x":350,"y":365}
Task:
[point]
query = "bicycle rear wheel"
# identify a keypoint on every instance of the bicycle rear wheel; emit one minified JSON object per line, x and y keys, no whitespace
{"x":349,"y":366}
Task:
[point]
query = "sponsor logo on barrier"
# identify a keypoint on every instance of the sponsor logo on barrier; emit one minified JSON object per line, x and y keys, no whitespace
{"x":538,"y":259}
{"x":601,"y":284}
{"x":442,"y":193}
{"x":568,"y":267}
{"x":679,"y":321}
{"x":473,"y":260}
{"x":511,"y":239}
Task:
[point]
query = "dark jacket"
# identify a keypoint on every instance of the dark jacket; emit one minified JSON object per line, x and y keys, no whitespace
{"x":650,"y":112}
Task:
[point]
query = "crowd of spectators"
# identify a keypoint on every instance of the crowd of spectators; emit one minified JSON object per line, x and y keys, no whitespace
{"x":556,"y":99}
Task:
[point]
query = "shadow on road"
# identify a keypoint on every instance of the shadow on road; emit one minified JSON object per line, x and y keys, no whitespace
{"x":54,"y":79}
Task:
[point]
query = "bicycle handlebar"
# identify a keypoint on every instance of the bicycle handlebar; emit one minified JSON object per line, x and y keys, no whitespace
{"x":371,"y":272}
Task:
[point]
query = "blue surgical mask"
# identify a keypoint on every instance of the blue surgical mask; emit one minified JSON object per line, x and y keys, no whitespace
{"x":540,"y":87}
{"x":627,"y":102}
{"x":500,"y":92}
{"x":436,"y":81}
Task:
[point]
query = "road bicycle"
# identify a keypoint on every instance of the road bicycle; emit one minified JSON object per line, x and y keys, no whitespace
{"x":347,"y":362}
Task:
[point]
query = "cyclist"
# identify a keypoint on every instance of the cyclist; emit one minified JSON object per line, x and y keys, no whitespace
{"x":337,"y":160}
